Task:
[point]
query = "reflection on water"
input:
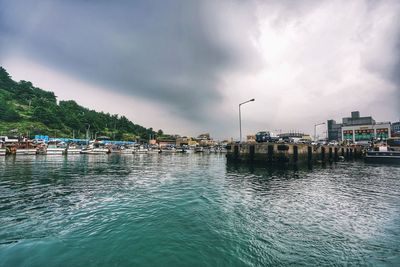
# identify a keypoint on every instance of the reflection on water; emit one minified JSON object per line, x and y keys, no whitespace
{"x":195,"y":210}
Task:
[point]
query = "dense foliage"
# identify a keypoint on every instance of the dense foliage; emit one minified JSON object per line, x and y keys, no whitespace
{"x":28,"y":110}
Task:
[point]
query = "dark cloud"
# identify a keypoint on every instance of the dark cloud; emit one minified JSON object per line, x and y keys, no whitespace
{"x":198,"y":59}
{"x":159,"y":50}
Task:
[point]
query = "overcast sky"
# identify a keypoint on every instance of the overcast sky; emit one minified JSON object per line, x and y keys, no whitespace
{"x":184,"y":66}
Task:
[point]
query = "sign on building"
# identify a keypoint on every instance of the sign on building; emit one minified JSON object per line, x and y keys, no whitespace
{"x":348,"y":134}
{"x":364,"y":135}
{"x":382,"y":133}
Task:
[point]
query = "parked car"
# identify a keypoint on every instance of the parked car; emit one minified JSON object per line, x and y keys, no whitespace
{"x":333,"y":143}
{"x":265,"y":136}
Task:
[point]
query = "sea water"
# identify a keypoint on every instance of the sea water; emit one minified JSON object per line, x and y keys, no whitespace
{"x":195,"y":210}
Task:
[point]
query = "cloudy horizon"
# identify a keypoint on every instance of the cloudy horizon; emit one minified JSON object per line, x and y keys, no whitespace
{"x":184,"y":66}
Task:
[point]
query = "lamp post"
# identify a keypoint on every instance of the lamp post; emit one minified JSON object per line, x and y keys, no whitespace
{"x":315,"y":129}
{"x":240,"y":117}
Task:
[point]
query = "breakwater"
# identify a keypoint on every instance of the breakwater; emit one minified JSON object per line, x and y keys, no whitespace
{"x":273,"y":153}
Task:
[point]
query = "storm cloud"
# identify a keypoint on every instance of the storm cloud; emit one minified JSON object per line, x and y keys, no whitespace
{"x":303,"y":61}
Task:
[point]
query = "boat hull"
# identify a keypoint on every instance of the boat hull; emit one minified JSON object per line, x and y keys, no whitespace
{"x":382,"y":160}
{"x":389,"y":157}
{"x":55,"y":151}
{"x":73,"y":151}
{"x":95,"y":151}
{"x":25,"y":152}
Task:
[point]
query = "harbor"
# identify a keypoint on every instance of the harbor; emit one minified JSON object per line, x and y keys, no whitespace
{"x":356,"y":138}
{"x":133,"y":208}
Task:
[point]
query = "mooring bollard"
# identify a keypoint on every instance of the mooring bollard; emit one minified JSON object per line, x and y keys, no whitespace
{"x":270,"y":152}
{"x":236,"y":152}
{"x":309,"y":154}
{"x":251,"y":153}
{"x":295,"y":153}
{"x":323,"y":154}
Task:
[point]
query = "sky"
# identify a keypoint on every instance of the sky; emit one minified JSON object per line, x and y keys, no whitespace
{"x":184,"y":66}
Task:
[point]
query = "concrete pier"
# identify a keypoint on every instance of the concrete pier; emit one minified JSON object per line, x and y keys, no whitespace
{"x":272,"y":153}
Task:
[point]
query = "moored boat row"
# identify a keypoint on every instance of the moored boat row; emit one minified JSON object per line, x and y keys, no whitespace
{"x":55,"y":147}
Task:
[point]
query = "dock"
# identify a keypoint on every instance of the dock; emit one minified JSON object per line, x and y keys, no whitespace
{"x":274,"y":153}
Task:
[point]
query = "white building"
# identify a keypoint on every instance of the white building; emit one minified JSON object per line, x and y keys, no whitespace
{"x":367,"y":132}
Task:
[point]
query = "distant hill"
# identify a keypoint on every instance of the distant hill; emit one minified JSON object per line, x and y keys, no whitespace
{"x":28,"y":110}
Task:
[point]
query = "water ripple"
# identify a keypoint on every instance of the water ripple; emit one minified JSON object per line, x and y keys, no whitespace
{"x":195,"y":210}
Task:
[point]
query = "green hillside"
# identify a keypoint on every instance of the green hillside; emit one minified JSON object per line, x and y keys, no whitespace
{"x":28,"y":110}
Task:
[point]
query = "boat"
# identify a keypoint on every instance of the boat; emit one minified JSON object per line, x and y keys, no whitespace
{"x":141,"y":150}
{"x":382,"y":155}
{"x":126,"y":150}
{"x":199,"y":149}
{"x":121,"y":150}
{"x":154,"y":150}
{"x":54,"y":148}
{"x":95,"y":149}
{"x":73,"y":149}
{"x":3,"y":150}
{"x":168,"y":150}
{"x":25,"y":148}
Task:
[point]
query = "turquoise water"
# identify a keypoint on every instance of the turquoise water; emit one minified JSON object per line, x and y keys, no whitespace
{"x":195,"y":210}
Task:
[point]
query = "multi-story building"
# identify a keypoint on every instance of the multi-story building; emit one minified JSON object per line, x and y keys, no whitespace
{"x":396,"y":128}
{"x":355,"y":119}
{"x":334,"y":130}
{"x":358,"y":129}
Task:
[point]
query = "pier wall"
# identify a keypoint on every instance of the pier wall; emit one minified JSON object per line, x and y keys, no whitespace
{"x":290,"y":153}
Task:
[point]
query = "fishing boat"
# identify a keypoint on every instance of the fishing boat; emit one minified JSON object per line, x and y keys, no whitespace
{"x":121,"y":150}
{"x":25,"y":148}
{"x":73,"y":149}
{"x":55,"y":148}
{"x":141,"y":150}
{"x":96,"y":149}
{"x":382,"y":155}
{"x":168,"y":150}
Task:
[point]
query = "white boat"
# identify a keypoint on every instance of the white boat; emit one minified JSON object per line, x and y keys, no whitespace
{"x":95,"y":148}
{"x":25,"y":151}
{"x":168,"y":150}
{"x":126,"y":151}
{"x":121,"y":150}
{"x":3,"y":150}
{"x":73,"y":151}
{"x":141,"y":150}
{"x":54,"y":149}
{"x":154,"y":151}
{"x":95,"y":151}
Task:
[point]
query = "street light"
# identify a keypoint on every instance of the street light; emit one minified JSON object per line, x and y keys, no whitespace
{"x":315,"y":129}
{"x":240,"y":117}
